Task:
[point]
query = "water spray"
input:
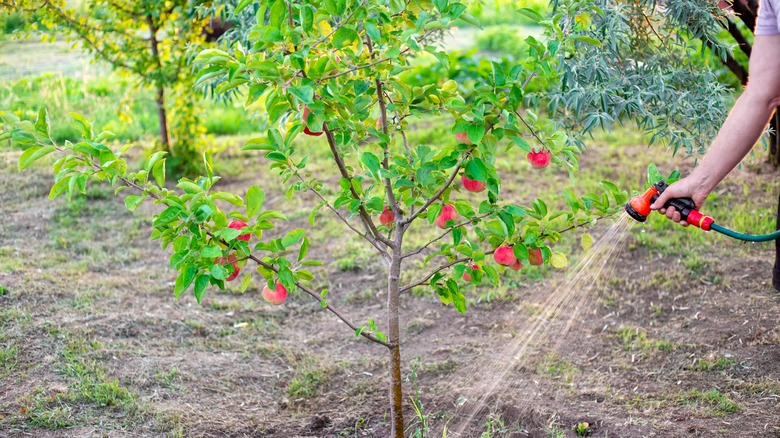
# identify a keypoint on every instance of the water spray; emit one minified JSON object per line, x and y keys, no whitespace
{"x":639,"y":208}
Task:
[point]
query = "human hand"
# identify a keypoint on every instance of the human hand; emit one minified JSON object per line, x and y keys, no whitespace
{"x":689,"y":187}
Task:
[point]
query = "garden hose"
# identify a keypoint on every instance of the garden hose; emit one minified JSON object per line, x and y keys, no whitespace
{"x":639,"y":208}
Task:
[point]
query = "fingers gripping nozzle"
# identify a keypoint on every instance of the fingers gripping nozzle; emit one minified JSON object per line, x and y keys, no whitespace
{"x":639,"y":207}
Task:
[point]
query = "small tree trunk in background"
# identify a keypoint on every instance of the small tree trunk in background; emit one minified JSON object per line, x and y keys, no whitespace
{"x":165,"y":136}
{"x":394,"y":339}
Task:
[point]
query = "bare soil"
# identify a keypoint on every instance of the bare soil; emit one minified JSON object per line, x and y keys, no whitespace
{"x":93,"y":343}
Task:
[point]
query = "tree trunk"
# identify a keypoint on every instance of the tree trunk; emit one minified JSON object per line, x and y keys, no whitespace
{"x":774,"y":140}
{"x":394,"y":339}
{"x":165,"y":136}
{"x":776,"y":270}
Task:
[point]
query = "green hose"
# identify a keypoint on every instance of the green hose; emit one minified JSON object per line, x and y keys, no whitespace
{"x":746,"y":237}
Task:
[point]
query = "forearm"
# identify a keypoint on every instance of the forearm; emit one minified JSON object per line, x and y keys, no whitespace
{"x":739,"y":133}
{"x":749,"y":116}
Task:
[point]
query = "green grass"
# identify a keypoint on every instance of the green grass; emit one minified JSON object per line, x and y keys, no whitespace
{"x":112,"y":102}
{"x":634,"y":339}
{"x":717,"y":403}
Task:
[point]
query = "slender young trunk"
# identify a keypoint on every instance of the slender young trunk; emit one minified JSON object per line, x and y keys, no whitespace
{"x":394,"y":339}
{"x":165,"y":136}
{"x":774,"y":139}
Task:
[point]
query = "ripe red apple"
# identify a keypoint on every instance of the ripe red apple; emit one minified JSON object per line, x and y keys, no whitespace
{"x":463,"y":138}
{"x":472,"y":185}
{"x":539,"y":159}
{"x":237,"y":225}
{"x":505,"y":255}
{"x":535,"y":257}
{"x":448,"y":213}
{"x":275,"y":296}
{"x":387,"y":216}
{"x":306,"y":129}
{"x":517,"y":265}
{"x":231,"y":259}
{"x":467,"y":274}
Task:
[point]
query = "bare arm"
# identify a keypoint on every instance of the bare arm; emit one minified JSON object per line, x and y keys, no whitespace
{"x":739,"y":132}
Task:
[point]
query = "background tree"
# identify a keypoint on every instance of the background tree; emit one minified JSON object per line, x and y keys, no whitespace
{"x":335,"y":70}
{"x":153,"y":41}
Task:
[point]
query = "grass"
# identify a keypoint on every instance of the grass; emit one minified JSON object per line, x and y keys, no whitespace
{"x":717,"y":403}
{"x":634,"y":339}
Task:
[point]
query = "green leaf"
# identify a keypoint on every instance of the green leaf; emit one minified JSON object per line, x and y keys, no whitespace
{"x":86,"y":127}
{"x":59,"y":187}
{"x":42,"y":122}
{"x":530,"y":13}
{"x":371,"y":162}
{"x":587,"y":40}
{"x":229,"y":197}
{"x":293,"y":237}
{"x":245,"y":282}
{"x":653,"y":175}
{"x":158,"y":171}
{"x":558,"y":260}
{"x":33,"y":154}
{"x":586,"y":241}
{"x":132,"y":202}
{"x":475,"y":133}
{"x":200,"y":286}
{"x":304,"y":93}
{"x":344,"y":36}
{"x":476,"y":170}
{"x":184,"y":280}
{"x":304,"y":249}
{"x":255,"y":198}
{"x":211,"y":251}
{"x":241,"y":5}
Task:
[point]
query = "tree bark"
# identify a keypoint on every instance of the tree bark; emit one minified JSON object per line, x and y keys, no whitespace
{"x":394,"y":338}
{"x":165,"y":136}
{"x":774,"y":142}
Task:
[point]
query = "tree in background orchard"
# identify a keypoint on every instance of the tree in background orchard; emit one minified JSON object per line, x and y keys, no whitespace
{"x":152,"y":40}
{"x":333,"y":70}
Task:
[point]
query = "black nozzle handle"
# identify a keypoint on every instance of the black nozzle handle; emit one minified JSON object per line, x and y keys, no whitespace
{"x":684,"y":205}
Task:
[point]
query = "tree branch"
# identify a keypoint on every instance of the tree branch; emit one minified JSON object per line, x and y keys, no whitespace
{"x":517,"y":113}
{"x":443,"y":235}
{"x":436,"y":195}
{"x":254,"y":258}
{"x":379,"y":248}
{"x":367,"y":222}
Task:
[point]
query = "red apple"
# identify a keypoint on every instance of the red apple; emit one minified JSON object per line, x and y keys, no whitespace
{"x":306,"y":129}
{"x":472,"y":185}
{"x":467,"y":274}
{"x":539,"y":159}
{"x":387,"y":216}
{"x":517,"y":265}
{"x":505,"y":255}
{"x":275,"y":296}
{"x":463,"y":138}
{"x":237,"y":225}
{"x":231,"y":259}
{"x":448,"y":213}
{"x":535,"y":257}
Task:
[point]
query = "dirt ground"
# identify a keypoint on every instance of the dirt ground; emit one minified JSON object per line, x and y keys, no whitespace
{"x":93,"y":343}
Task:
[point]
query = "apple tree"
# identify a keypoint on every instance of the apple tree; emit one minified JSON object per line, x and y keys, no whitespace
{"x":149,"y":40}
{"x":334,"y":69}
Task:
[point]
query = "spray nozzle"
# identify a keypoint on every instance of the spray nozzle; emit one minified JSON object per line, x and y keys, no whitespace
{"x":639,"y":207}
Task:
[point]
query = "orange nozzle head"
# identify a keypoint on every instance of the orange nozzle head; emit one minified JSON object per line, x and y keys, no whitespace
{"x":639,"y":206}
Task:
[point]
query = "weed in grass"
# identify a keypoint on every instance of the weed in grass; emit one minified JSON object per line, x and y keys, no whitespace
{"x":168,"y":379}
{"x":718,"y":364}
{"x":364,"y":296}
{"x":719,"y":404}
{"x":555,"y":366}
{"x":306,"y":383}
{"x":634,"y":339}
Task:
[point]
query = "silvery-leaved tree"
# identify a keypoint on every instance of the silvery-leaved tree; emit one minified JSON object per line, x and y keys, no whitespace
{"x":333,"y":69}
